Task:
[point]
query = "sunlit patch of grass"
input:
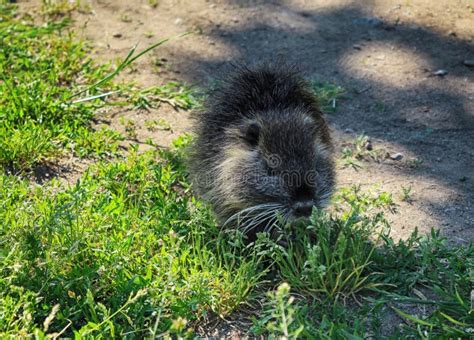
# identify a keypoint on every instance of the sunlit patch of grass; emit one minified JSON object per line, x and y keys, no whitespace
{"x":360,"y":149}
{"x":288,"y":314}
{"x":328,"y":94}
{"x":179,"y":96}
{"x":126,"y":228}
{"x":330,"y":258}
{"x":50,"y":90}
{"x":158,"y":124}
{"x":40,"y":66}
{"x":54,"y":8}
{"x":278,"y":316}
{"x":406,"y":194}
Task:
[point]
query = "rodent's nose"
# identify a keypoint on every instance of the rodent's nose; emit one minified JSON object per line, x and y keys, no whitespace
{"x":303,"y":208}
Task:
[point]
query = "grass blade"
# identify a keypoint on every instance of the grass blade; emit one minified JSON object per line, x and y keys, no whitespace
{"x":412,"y":318}
{"x":129,"y":59}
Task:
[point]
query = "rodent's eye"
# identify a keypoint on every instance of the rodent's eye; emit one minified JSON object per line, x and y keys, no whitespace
{"x":252,"y":134}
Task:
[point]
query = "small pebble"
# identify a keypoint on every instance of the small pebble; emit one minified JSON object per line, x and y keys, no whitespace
{"x":397,"y":156}
{"x":469,"y":62}
{"x":356,"y":47}
{"x":117,"y":35}
{"x":440,"y":73}
{"x":348,"y":131}
{"x":178,"y":21}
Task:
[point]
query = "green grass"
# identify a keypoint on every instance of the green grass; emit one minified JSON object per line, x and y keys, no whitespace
{"x":44,"y":71}
{"x":351,"y":286}
{"x":328,"y":94}
{"x":179,"y":96}
{"x":406,"y":194}
{"x":360,"y":149}
{"x":129,"y":251}
{"x":40,"y":67}
{"x":124,"y":228}
{"x":59,"y":8}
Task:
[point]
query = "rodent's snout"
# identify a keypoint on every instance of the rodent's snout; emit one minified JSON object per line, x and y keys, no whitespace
{"x":262,"y":152}
{"x":303,"y":202}
{"x":302,"y":208}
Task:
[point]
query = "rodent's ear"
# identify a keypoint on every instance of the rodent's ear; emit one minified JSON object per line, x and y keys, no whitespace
{"x":252,"y":134}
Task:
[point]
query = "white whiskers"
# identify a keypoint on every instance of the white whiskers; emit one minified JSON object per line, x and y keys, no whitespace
{"x":262,"y":215}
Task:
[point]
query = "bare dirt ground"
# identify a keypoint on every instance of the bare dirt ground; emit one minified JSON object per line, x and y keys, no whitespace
{"x":384,"y":53}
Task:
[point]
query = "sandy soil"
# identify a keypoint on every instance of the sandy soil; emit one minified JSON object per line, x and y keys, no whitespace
{"x":384,"y":53}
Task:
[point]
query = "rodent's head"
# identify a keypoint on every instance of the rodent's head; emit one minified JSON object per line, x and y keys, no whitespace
{"x":278,"y":160}
{"x":262,"y":148}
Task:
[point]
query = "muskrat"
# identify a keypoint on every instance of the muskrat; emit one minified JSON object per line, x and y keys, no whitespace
{"x":262,"y":150}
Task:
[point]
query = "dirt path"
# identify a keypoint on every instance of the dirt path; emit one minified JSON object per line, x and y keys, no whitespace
{"x":384,"y":53}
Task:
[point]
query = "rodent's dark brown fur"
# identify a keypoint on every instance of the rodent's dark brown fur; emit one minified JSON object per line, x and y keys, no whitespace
{"x":262,"y":148}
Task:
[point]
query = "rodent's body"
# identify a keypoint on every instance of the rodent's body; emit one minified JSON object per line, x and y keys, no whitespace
{"x":262,"y":148}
